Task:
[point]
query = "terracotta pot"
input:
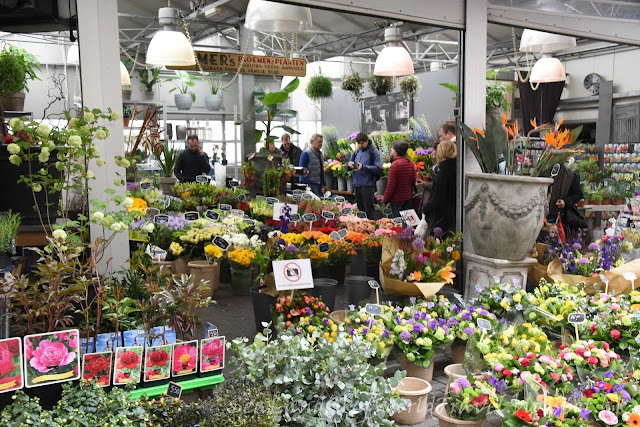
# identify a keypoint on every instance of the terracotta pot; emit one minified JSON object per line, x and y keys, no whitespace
{"x":417,"y":391}
{"x":125,"y":121}
{"x":457,"y":353}
{"x":166,"y":266}
{"x":596,"y":202}
{"x":181,"y":266}
{"x":581,"y":203}
{"x":447,"y":421}
{"x":203,"y":270}
{"x":605,"y":201}
{"x":415,"y":370}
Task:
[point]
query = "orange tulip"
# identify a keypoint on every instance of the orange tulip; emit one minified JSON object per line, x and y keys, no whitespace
{"x":447,"y":275}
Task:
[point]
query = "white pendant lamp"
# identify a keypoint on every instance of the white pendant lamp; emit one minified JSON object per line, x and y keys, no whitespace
{"x":168,"y":46}
{"x":124,"y":75}
{"x":540,"y":42}
{"x":394,"y":60}
{"x":73,"y":55}
{"x":548,"y":69}
{"x":270,"y":17}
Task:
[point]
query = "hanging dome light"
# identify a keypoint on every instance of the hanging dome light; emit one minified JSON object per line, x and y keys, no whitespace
{"x":393,"y":60}
{"x":271,"y":17}
{"x":540,"y":42}
{"x":124,"y":75}
{"x":548,"y":69}
{"x":170,"y":47}
{"x":73,"y":55}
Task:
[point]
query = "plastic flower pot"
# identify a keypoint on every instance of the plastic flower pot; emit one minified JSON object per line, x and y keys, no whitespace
{"x":447,"y":421}
{"x":415,"y":370}
{"x":262,"y":304}
{"x":358,"y":289}
{"x":416,"y":390}
{"x":338,"y":316}
{"x":457,"y":353}
{"x":241,"y":281}
{"x":336,"y":272}
{"x":325,"y":289}
{"x":203,"y":270}
{"x":358,"y":264}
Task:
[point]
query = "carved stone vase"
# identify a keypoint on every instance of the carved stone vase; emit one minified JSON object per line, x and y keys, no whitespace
{"x":504,"y":213}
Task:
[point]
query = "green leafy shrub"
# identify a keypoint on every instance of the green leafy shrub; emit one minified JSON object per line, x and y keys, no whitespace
{"x":353,"y":83}
{"x":319,"y":87}
{"x":380,"y":85}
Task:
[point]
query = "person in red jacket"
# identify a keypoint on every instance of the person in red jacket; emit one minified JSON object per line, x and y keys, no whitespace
{"x":402,"y":178}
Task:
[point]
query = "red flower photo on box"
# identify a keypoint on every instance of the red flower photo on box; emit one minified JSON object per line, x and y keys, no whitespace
{"x":11,"y":374}
{"x":212,"y":354}
{"x":157,"y":363}
{"x":128,"y":365}
{"x":97,"y":367}
{"x":52,"y":358}
{"x":185,"y":358}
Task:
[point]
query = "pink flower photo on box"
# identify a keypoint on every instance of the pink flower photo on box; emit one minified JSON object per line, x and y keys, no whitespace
{"x":52,"y":357}
{"x":128,"y":365}
{"x":97,"y":367}
{"x":185,"y":358}
{"x":157,"y":363}
{"x":212,"y":354}
{"x":11,"y":374}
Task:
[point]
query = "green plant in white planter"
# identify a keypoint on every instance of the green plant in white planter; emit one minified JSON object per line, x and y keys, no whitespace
{"x":183,"y":81}
{"x":213,"y":100}
{"x":319,"y":87}
{"x":148,"y":79}
{"x":166,"y":158}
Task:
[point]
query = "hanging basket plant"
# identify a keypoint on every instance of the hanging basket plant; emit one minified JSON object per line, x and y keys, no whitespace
{"x":409,"y":86}
{"x":380,"y":85}
{"x":319,"y":87}
{"x":353,"y":83}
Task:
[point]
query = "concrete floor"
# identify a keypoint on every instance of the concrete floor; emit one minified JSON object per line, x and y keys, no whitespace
{"x":233,"y":315}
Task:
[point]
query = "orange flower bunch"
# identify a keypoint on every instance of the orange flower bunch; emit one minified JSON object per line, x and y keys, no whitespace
{"x":419,"y":166}
{"x":558,"y":138}
{"x":318,"y":236}
{"x":372,"y":241}
{"x":355,"y":238}
{"x":340,"y":253}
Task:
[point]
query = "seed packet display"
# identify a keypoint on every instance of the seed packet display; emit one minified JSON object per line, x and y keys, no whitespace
{"x":97,"y":366}
{"x":51,"y":358}
{"x":185,"y":358}
{"x":212,"y":354}
{"x":157,"y":363}
{"x":11,"y":367}
{"x":162,"y":336}
{"x":128,"y":365}
{"x":134,"y":338}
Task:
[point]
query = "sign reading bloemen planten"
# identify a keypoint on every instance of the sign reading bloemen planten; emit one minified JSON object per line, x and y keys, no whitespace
{"x":51,"y":358}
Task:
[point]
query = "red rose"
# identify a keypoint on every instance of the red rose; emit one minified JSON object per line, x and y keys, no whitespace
{"x":591,"y":346}
{"x":580,"y":351}
{"x":592,"y":360}
{"x":593,"y":327}
{"x":615,"y":334}
{"x":588,"y":393}
{"x":507,"y":373}
{"x":555,"y":376}
{"x":540,"y":413}
{"x":562,"y":347}
{"x":97,"y":363}
{"x":605,"y":346}
{"x":525,"y":362}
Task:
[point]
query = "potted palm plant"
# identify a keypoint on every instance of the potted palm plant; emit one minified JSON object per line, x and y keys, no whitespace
{"x":183,"y":81}
{"x":166,"y":156}
{"x":148,"y":79}
{"x":213,"y":101}
{"x":17,"y":67}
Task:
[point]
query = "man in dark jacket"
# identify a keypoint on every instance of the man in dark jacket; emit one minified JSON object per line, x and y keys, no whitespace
{"x":191,"y":162}
{"x":290,"y":151}
{"x":365,"y":166}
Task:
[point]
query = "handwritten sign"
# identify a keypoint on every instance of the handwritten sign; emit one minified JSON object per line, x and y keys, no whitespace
{"x":484,"y":324}
{"x":191,"y":216}
{"x":310,"y":217}
{"x":292,"y":274}
{"x":346,"y":211}
{"x":161,"y":219}
{"x":241,"y":197}
{"x":328,"y":215}
{"x":237,"y":212}
{"x":343,"y":233}
{"x":294,"y":217}
{"x":212,"y":215}
{"x":373,"y":309}
{"x":174,"y":390}
{"x":234,"y":183}
{"x":387,"y":211}
{"x":577,"y":318}
{"x":224,"y":207}
{"x":220,"y":242}
{"x":323,"y":247}
{"x":361,"y":214}
{"x":339,"y":199}
{"x":296,"y":197}
{"x":307,"y":196}
{"x":397,"y":221}
{"x":297,"y":191}
{"x":272,"y":201}
{"x":335,"y":236}
{"x":373,"y":284}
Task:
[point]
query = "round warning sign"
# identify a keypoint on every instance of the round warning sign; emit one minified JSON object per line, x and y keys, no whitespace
{"x":292,"y":272}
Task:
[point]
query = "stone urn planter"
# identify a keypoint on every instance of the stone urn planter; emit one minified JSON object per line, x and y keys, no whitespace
{"x":167,"y":183}
{"x":416,"y":390}
{"x":183,"y":101}
{"x":504,"y":213}
{"x":213,"y":102}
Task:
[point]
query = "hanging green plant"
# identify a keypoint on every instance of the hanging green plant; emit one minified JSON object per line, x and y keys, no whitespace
{"x":319,"y":87}
{"x":353,"y":83}
{"x":380,"y":85}
{"x":409,"y":86}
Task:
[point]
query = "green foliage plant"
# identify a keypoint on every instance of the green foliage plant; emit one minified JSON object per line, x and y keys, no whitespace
{"x":17,"y":67}
{"x":497,"y":90}
{"x":215,"y":81}
{"x":271,"y":182}
{"x":409,"y":86}
{"x":149,"y":78}
{"x":353,"y":83}
{"x":380,"y":85}
{"x":183,"y":81}
{"x":166,"y":156}
{"x":320,"y":382}
{"x":319,"y":87}
{"x":9,"y":223}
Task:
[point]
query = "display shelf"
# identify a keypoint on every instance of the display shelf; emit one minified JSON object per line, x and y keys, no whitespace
{"x":203,"y":383}
{"x":604,"y":208}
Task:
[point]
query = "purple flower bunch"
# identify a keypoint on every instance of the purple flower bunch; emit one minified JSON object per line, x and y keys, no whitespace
{"x":424,"y":151}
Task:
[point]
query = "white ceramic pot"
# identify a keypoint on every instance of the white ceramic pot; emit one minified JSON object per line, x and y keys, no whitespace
{"x":220,"y":172}
{"x":213,"y":102}
{"x":183,"y":101}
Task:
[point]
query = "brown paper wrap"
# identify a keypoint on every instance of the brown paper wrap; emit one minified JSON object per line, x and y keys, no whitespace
{"x":270,"y":281}
{"x":617,"y":282}
{"x":396,"y":287}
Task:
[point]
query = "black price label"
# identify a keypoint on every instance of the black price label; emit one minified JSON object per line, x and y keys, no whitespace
{"x":323,"y":247}
{"x":233,"y":183}
{"x":161,"y":219}
{"x":339,"y":199}
{"x":174,"y":390}
{"x":191,"y":216}
{"x":307,"y":196}
{"x":242,"y":197}
{"x":397,"y":220}
{"x":237,"y":212}
{"x":212,"y":215}
{"x":145,"y":185}
{"x":343,"y":233}
{"x":220,"y":242}
{"x":297,"y":191}
{"x":224,"y":208}
{"x":328,"y":215}
{"x":361,"y":214}
{"x":296,"y":197}
{"x":335,"y":236}
{"x":373,"y":284}
{"x":576,"y":318}
{"x":202,"y":178}
{"x":387,"y":211}
{"x":346,"y":211}
{"x":310,"y":217}
{"x":151,"y":212}
{"x":373,"y":309}
{"x":294,"y":217}
{"x":271,"y":201}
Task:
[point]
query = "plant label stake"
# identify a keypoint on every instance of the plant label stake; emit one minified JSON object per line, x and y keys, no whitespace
{"x":335,"y":236}
{"x":237,"y":212}
{"x":361,"y":214}
{"x":212,"y":215}
{"x":576,"y":319}
{"x":151,"y":212}
{"x":375,"y":285}
{"x":346,"y":211}
{"x":191,"y":216}
{"x":212,"y":330}
{"x":294,"y":218}
{"x":328,"y":215}
{"x":174,"y":390}
{"x":387,"y":211}
{"x":605,"y":280}
{"x":307,"y":196}
{"x":220,"y":242}
{"x":272,"y":201}
{"x":161,"y":219}
{"x":339,"y":199}
{"x":397,"y":220}
{"x":485,"y":325}
{"x":145,"y":185}
{"x":241,"y":197}
{"x":373,"y":309}
{"x":323,"y":247}
{"x":224,"y":207}
{"x":202,"y":178}
{"x":233,"y":183}
{"x":310,"y":218}
{"x":630,"y":277}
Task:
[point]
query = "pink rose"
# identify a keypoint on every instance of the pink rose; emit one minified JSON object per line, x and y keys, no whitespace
{"x":615,"y":334}
{"x":608,"y":417}
{"x":615,"y":307}
{"x":454,"y":388}
{"x":604,"y":297}
{"x":50,"y":355}
{"x":499,"y":367}
{"x":546,"y":359}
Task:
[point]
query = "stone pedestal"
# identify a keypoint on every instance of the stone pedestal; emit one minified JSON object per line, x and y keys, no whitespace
{"x":479,"y":270}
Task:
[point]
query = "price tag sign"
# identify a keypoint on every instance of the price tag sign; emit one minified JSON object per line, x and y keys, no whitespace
{"x":292,"y":274}
{"x":576,"y":319}
{"x":145,"y":185}
{"x":237,"y":212}
{"x":249,"y":221}
{"x":161,"y":219}
{"x":343,"y":233}
{"x":234,"y":183}
{"x":328,"y":215}
{"x":151,"y":212}
{"x":310,"y":217}
{"x":241,"y":197}
{"x":373,"y":284}
{"x":297,"y":191}
{"x":605,"y":280}
{"x":346,"y":211}
{"x":202,"y":178}
{"x":191,"y":216}
{"x":387,"y":211}
{"x":630,"y":277}
{"x":174,"y":390}
{"x":373,"y":309}
{"x":296,"y":197}
{"x":212,"y":330}
{"x":410,"y":217}
{"x":339,"y":199}
{"x":484,"y":324}
{"x":307,"y":196}
{"x":294,"y":217}
{"x":361,"y":214}
{"x":220,"y":242}
{"x":323,"y":247}
{"x":224,"y":207}
{"x":212,"y":215}
{"x":397,"y":220}
{"x":272,"y":201}
{"x":335,"y":236}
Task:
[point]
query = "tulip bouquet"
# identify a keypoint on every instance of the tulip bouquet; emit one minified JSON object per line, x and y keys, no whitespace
{"x":471,"y":399}
{"x":517,"y":340}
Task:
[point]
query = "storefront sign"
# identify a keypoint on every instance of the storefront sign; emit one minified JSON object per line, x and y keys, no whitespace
{"x":223,"y":62}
